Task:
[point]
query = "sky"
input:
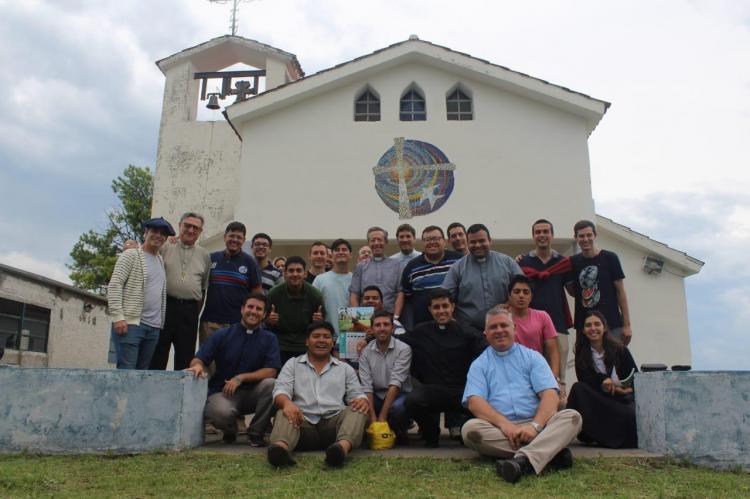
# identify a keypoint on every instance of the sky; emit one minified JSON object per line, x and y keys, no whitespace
{"x":669,"y":159}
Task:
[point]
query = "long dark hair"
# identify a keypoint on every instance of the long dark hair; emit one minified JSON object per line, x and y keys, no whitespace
{"x":583,"y":355}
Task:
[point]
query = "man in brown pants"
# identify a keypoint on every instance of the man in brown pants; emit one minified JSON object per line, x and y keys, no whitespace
{"x":320,"y":401}
{"x":514,"y":395}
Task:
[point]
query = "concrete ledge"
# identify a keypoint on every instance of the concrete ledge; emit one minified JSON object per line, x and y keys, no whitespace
{"x":703,"y":417}
{"x":71,"y":411}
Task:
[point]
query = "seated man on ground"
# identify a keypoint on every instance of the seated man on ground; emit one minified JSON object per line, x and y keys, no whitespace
{"x":247,"y":360}
{"x":384,"y":372}
{"x":320,"y":402}
{"x":441,"y":354}
{"x":513,"y":394}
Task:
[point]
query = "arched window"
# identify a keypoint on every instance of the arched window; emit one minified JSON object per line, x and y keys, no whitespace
{"x":367,"y":107}
{"x":412,"y":106}
{"x":458,"y":105}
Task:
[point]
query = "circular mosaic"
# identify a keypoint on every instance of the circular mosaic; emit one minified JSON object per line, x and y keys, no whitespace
{"x":414,"y":178}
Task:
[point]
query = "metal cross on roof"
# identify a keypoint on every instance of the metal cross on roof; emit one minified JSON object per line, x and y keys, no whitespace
{"x":402,"y":169}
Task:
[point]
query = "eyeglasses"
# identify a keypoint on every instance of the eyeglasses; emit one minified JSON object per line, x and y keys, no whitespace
{"x":435,"y":239}
{"x":259,"y":244}
{"x":191,"y":227}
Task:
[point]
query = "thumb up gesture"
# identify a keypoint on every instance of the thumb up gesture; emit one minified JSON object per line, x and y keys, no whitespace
{"x":318,"y":315}
{"x":273,"y":317}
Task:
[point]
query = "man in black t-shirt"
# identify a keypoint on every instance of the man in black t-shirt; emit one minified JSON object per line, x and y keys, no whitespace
{"x":596,"y":283}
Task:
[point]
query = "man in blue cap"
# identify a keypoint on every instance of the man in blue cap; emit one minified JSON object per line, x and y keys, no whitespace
{"x":137,"y":297}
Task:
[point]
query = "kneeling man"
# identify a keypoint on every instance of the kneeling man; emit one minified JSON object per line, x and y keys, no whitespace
{"x":247,"y":360}
{"x":513,"y":394}
{"x":384,"y":371}
{"x":312,"y":394}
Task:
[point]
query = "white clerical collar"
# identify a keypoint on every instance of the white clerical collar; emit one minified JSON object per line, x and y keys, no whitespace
{"x":441,"y":326}
{"x":378,"y":258}
{"x":250,"y":331}
{"x":506,"y":352}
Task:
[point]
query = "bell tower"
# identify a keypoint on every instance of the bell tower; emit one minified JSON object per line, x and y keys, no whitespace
{"x":198,"y":158}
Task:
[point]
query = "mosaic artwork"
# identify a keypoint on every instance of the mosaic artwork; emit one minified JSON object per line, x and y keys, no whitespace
{"x":413,"y":178}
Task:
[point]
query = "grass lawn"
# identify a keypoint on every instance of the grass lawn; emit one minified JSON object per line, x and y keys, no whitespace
{"x":206,"y":474}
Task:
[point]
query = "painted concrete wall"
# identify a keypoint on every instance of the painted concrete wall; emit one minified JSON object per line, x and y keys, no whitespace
{"x":700,"y":416}
{"x":77,"y":338}
{"x":93,"y":411}
{"x":324,"y":159}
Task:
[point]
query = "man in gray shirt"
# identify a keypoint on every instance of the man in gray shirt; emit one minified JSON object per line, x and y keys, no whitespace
{"x":384,"y":371}
{"x":137,"y":297}
{"x":379,"y":270}
{"x":479,"y":280}
{"x":320,"y":401}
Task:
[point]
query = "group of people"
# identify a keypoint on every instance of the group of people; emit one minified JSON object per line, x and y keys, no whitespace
{"x":484,"y":339}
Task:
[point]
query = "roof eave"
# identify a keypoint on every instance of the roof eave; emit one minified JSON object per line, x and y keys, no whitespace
{"x":589,"y":108}
{"x":686,"y":263}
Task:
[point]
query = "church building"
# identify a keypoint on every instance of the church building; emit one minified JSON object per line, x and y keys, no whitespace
{"x":414,"y":132}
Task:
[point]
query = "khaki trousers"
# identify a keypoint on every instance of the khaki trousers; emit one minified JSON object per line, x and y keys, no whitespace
{"x":346,"y":425}
{"x":488,"y":440}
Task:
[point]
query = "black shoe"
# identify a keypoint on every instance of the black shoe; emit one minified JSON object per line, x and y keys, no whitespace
{"x":256,"y":440}
{"x":229,"y":438}
{"x":402,"y":439}
{"x":562,"y":460}
{"x":279,"y":456}
{"x":335,"y":454}
{"x":513,"y":469}
{"x":432,"y":443}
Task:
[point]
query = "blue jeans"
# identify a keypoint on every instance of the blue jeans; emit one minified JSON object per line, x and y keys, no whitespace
{"x":136,"y":347}
{"x":397,"y":417}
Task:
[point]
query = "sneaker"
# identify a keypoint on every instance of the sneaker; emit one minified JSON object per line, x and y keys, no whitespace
{"x":211,"y":429}
{"x":562,"y":460}
{"x":256,"y":440}
{"x":229,"y":438}
{"x":402,"y":439}
{"x":279,"y":456}
{"x":513,"y":469}
{"x":335,"y":454}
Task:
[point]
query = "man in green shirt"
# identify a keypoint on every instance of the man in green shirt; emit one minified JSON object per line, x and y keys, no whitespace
{"x":294,"y":304}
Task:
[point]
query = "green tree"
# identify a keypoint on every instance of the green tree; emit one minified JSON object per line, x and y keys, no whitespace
{"x":95,"y":253}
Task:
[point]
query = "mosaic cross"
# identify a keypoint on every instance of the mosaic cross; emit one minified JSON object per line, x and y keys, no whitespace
{"x":401,"y":168}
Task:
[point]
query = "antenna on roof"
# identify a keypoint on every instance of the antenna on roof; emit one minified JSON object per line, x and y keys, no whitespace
{"x":235,"y":9}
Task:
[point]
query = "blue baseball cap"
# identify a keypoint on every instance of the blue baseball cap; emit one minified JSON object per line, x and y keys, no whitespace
{"x":159,"y":223}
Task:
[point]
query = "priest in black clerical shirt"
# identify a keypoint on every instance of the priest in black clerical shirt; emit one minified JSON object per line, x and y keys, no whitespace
{"x":441,"y":355}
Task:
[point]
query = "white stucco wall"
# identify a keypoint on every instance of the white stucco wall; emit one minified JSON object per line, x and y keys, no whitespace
{"x":321,"y":160}
{"x":197,"y":161}
{"x":658,"y":308}
{"x":76,"y":338}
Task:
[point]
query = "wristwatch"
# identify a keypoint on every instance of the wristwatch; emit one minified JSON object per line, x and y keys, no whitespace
{"x":536,"y":426}
{"x":238,"y":380}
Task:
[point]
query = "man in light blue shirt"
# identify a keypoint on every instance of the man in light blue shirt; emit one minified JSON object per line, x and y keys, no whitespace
{"x":320,"y":401}
{"x":479,"y":280}
{"x":514,"y":395}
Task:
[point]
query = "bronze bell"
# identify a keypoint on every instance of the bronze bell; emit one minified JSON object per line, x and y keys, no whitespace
{"x":213,"y":102}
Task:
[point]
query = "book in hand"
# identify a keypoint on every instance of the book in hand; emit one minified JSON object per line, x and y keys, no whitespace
{"x":628,"y":381}
{"x":354,"y":323}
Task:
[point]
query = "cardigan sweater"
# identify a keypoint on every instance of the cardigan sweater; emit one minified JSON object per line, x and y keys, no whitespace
{"x":127,"y":286}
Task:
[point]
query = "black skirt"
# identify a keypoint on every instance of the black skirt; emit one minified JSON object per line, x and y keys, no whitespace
{"x":608,"y":421}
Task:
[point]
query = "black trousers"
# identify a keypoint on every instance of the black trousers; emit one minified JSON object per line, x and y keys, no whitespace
{"x":425,"y":403}
{"x":181,"y":330}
